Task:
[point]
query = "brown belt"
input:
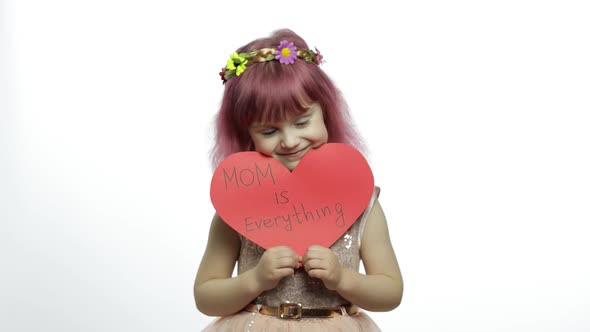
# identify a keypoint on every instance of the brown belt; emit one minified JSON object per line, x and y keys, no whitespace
{"x":290,"y":310}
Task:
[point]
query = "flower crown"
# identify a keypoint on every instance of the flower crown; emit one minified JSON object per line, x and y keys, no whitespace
{"x":286,"y":53}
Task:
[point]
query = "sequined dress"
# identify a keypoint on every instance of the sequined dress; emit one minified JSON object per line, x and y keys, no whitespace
{"x":300,"y":288}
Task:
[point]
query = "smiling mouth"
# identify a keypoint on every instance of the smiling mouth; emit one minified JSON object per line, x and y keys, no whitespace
{"x":292,"y":154}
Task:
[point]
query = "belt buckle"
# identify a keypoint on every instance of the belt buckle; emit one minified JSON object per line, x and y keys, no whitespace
{"x":289,"y":310}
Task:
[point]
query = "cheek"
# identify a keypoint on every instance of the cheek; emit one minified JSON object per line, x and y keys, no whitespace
{"x":264,"y":146}
{"x":324,"y":135}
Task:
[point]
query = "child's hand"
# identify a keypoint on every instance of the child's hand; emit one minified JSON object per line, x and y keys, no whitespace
{"x":275,"y":264}
{"x":322,"y":263}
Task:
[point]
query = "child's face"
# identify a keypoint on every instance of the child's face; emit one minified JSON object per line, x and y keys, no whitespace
{"x":289,"y":140}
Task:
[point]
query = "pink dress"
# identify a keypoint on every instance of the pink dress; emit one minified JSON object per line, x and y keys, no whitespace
{"x":301,"y":288}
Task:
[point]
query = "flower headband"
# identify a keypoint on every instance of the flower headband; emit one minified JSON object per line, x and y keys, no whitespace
{"x":286,"y":53}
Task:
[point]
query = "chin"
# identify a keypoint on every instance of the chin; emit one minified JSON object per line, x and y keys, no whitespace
{"x":291,"y":166}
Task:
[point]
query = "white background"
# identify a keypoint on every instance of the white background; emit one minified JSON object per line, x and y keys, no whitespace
{"x":476,"y":114}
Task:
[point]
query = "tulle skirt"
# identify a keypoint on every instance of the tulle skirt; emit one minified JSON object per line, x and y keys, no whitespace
{"x":255,"y":322}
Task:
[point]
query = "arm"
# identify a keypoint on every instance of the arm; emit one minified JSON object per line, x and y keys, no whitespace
{"x":216,"y":292}
{"x":382,"y":287}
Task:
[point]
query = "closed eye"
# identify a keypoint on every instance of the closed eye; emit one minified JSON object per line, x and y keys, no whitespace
{"x":302,"y":123}
{"x":268,"y":132}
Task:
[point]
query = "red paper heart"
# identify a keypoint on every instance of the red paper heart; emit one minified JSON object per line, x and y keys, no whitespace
{"x":315,"y":204}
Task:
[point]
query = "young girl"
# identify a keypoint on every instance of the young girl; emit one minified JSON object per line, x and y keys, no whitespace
{"x":279,"y":102}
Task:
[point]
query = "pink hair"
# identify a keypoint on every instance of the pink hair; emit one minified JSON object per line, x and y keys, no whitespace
{"x":270,"y":91}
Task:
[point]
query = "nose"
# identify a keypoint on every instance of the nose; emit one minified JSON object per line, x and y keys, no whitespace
{"x":289,"y":140}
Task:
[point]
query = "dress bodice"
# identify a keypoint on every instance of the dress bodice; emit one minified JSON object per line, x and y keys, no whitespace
{"x":301,"y":288}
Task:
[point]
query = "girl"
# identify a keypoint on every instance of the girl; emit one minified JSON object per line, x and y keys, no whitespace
{"x":278,"y":102}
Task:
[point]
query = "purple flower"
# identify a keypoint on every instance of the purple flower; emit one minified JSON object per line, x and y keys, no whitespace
{"x":286,"y":53}
{"x":319,"y":58}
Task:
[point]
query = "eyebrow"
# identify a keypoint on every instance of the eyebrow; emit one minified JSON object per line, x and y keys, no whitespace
{"x":307,"y":113}
{"x":260,"y":126}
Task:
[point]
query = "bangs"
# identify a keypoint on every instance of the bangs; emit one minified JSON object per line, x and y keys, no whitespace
{"x":272,"y":94}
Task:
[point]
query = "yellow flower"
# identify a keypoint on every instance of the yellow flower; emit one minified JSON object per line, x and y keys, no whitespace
{"x":234,"y":60}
